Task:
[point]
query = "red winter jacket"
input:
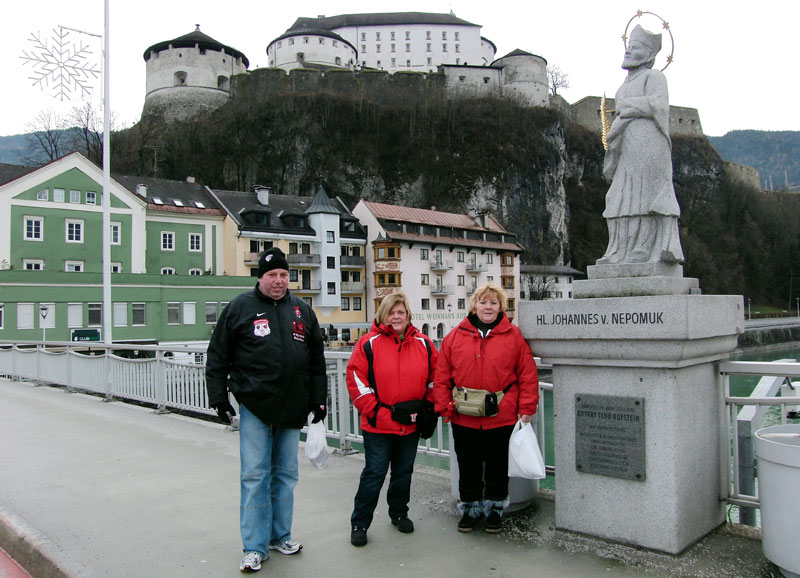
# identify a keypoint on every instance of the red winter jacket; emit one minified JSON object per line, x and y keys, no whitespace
{"x":402,"y":372}
{"x":489,"y":363}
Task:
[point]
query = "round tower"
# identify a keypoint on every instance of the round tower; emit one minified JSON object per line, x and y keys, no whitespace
{"x":189,"y":74}
{"x":311,"y":48}
{"x":525,"y":76}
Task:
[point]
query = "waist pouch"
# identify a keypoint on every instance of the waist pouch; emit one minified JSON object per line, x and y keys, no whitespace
{"x":477,"y":402}
{"x":406,"y":412}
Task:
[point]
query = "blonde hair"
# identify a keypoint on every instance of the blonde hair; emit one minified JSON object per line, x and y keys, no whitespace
{"x":388,"y":303}
{"x":484,"y":291}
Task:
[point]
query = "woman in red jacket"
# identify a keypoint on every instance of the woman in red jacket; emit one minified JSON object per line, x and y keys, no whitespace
{"x":403,"y":362}
{"x":485,"y":352}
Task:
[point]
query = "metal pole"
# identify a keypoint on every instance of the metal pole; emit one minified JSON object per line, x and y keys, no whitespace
{"x":106,"y":188}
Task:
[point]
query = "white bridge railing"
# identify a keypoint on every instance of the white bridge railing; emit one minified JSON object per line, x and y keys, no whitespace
{"x":173,"y":378}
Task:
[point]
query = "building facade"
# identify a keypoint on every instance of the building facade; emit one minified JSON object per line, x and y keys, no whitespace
{"x":437,"y":259}
{"x":412,"y":41}
{"x":324,"y":244}
{"x":539,"y":282}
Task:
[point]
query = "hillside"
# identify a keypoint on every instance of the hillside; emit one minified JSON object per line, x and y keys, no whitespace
{"x":776,"y":154}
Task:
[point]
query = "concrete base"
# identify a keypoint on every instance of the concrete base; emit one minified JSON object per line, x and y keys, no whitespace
{"x":662,"y":349}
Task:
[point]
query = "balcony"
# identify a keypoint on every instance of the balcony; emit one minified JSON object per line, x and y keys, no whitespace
{"x":441,"y":265}
{"x":303,"y":260}
{"x":471,"y":289}
{"x":476,"y":267}
{"x":306,"y":287}
{"x":352,"y":287}
{"x":442,"y":290}
{"x":251,"y":258}
{"x":350,"y":261}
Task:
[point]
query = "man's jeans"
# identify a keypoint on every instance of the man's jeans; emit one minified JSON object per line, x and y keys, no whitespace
{"x":269,"y":475}
{"x":381,"y":450}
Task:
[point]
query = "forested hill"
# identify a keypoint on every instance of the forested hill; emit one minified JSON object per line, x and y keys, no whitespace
{"x":776,"y":154}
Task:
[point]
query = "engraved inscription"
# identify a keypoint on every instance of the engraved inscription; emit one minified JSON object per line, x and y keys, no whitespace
{"x":610,"y":436}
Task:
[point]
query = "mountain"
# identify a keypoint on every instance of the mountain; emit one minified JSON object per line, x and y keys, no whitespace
{"x":13,"y":149}
{"x":776,"y":154}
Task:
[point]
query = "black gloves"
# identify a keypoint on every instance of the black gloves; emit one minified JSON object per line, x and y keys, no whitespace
{"x":225,"y":411}
{"x":320,"y":412}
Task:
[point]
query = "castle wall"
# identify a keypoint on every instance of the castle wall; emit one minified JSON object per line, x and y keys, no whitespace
{"x":743,"y":174}
{"x":472,"y":81}
{"x":682,"y":121}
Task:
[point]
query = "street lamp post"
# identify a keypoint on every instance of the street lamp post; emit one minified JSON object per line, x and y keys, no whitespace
{"x":798,"y":306}
{"x":749,"y":314}
{"x":43,"y":311}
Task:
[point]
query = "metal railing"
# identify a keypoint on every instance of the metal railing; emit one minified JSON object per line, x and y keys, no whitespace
{"x":173,"y":378}
{"x":742,"y":417}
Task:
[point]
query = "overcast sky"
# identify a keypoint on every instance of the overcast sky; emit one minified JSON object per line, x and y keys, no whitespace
{"x":736,"y":63}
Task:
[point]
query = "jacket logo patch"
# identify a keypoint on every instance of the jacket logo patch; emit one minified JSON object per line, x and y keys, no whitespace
{"x":261,"y":327}
{"x":297,"y":313}
{"x":299,"y":331}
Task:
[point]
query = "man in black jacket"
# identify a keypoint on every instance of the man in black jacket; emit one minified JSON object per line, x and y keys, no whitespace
{"x":267,"y":350}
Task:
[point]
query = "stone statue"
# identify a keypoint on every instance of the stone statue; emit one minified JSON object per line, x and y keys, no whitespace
{"x":641,"y":209}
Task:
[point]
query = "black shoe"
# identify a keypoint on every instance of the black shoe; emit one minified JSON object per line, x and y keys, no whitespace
{"x":403,"y":524}
{"x":358,"y":536}
{"x":467,"y":523}
{"x":494,"y":521}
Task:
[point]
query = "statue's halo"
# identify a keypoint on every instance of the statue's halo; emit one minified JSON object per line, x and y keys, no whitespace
{"x":664,"y":25}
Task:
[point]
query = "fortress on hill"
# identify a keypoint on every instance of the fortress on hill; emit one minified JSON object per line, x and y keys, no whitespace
{"x":383,"y":55}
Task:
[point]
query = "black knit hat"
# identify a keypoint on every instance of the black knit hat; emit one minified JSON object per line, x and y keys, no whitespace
{"x":272,"y":258}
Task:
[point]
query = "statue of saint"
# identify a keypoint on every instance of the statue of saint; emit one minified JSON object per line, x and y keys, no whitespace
{"x":641,"y":209}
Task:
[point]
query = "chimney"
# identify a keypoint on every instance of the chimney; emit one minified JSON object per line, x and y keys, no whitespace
{"x":190,"y":180}
{"x":141,"y":190}
{"x":262,"y":194}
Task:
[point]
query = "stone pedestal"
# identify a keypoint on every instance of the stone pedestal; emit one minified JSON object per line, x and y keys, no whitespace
{"x":651,"y":475}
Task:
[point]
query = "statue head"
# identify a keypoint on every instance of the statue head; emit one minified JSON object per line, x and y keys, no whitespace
{"x":641,"y":49}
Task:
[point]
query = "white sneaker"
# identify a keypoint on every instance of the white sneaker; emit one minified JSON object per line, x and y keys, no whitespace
{"x":287,"y":547}
{"x":251,"y":562}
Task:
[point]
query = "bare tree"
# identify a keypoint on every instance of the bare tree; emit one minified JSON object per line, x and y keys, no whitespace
{"x":541,"y":288}
{"x":87,"y":134}
{"x":47,"y":138}
{"x":557,"y":79}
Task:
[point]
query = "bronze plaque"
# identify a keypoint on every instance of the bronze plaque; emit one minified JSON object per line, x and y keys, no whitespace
{"x":609,"y":436}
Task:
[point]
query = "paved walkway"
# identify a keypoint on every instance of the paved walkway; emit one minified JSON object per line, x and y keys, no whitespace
{"x":93,"y":489}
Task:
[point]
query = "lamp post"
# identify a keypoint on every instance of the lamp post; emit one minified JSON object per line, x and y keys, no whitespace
{"x":43,"y":311}
{"x":749,"y":314}
{"x":798,"y":306}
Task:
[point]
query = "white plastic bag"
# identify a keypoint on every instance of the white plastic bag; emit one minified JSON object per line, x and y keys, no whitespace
{"x":317,"y":444}
{"x":524,"y":458}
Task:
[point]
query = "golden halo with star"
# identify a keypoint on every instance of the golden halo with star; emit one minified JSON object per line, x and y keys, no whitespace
{"x":664,"y":26}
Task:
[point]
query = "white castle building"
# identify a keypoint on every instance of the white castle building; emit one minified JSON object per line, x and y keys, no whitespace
{"x":190,"y":73}
{"x":417,"y":41}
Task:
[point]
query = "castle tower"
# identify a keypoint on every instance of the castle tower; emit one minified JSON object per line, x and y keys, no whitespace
{"x":524,"y":76}
{"x":189,"y":74}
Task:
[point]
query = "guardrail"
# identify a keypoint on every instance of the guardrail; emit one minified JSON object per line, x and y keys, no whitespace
{"x":743,"y":416}
{"x":173,"y":378}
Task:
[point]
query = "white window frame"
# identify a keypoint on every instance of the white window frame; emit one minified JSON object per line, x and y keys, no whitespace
{"x":174,"y":308}
{"x":120,"y":314}
{"x":211,"y":313}
{"x":25,"y":316}
{"x":167,"y":270}
{"x":2,"y":309}
{"x":95,"y":309}
{"x":116,"y":267}
{"x":43,"y":195}
{"x":195,"y":271}
{"x":73,"y":266}
{"x":74,"y":315}
{"x":91,"y":197}
{"x":40,"y":227}
{"x":170,"y":237}
{"x":74,"y":196}
{"x":33,"y":264}
{"x":48,"y":322}
{"x":189,"y":313}
{"x":77,"y":225}
{"x":58,"y":195}
{"x":115,"y":232}
{"x":195,"y":239}
{"x":135,"y":309}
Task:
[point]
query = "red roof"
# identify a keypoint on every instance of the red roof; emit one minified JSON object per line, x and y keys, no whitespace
{"x":430,"y":217}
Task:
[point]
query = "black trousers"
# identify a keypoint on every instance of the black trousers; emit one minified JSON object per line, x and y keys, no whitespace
{"x":482,"y":456}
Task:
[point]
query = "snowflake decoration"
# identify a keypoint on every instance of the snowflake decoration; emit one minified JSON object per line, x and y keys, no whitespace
{"x":61,"y":64}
